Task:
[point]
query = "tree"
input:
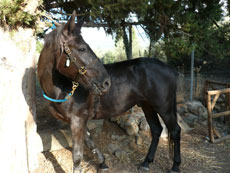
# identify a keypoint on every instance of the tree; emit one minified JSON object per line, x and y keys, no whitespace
{"x":115,"y":16}
{"x":18,"y":137}
{"x":186,"y":25}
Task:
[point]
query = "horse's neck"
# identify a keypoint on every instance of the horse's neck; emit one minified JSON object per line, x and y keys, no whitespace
{"x":45,"y":73}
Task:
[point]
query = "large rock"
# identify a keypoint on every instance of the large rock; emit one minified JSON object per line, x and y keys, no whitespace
{"x":132,"y":129}
{"x":120,"y":154}
{"x":144,"y":124}
{"x":129,"y":122}
{"x":182,"y":108}
{"x":118,"y":137}
{"x":190,"y":118}
{"x":95,"y":124}
{"x":196,"y":108}
{"x":113,"y":147}
{"x":134,"y":123}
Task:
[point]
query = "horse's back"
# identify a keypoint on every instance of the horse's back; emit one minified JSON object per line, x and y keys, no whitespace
{"x":141,"y":79}
{"x":146,"y":71}
{"x":152,"y":64}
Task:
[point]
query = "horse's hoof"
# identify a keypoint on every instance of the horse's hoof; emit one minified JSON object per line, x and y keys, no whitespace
{"x":143,"y":169}
{"x":103,"y":168}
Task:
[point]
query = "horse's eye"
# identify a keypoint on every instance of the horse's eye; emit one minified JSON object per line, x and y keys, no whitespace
{"x":81,"y":49}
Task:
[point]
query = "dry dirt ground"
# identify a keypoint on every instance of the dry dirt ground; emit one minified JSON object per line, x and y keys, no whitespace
{"x":198,"y":155}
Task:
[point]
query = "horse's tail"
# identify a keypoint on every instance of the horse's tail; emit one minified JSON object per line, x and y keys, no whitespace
{"x":170,"y":139}
{"x":174,"y":120}
{"x":171,"y":146}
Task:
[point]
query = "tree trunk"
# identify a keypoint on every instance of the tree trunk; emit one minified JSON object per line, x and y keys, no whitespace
{"x":19,"y":140}
{"x":127,"y":42}
{"x":130,"y":43}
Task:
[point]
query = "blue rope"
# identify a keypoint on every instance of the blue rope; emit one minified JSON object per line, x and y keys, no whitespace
{"x":55,"y":100}
{"x":53,"y":26}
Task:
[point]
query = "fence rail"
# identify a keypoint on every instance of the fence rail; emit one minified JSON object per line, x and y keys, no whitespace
{"x":211,"y":104}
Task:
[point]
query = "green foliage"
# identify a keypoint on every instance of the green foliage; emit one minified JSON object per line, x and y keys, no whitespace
{"x":12,"y":14}
{"x":109,"y":57}
{"x":177,"y":50}
{"x":157,"y":51}
{"x":39,"y":46}
{"x":179,"y":25}
{"x":187,"y":25}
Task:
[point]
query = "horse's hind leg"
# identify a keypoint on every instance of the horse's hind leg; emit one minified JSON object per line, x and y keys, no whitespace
{"x":90,"y":144}
{"x":170,"y":120}
{"x":156,"y":129}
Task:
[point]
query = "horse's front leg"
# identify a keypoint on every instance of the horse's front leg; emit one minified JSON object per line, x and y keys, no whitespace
{"x":90,"y":144}
{"x":77,"y":125}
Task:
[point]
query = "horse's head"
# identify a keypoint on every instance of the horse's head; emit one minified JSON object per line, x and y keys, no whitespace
{"x":78,"y":62}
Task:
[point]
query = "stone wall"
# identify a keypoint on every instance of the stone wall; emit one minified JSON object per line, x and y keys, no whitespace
{"x":17,"y":109}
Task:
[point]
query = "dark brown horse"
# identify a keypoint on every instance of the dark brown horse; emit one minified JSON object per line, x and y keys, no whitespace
{"x":150,"y":84}
{"x":147,"y":82}
{"x":67,"y":63}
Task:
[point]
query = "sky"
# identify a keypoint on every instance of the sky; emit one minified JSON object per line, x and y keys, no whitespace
{"x":97,"y":38}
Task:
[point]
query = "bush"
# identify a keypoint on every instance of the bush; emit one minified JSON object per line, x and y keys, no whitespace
{"x":12,"y":14}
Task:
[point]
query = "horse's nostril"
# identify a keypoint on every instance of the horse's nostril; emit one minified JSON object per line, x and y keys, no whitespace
{"x":106,"y":84}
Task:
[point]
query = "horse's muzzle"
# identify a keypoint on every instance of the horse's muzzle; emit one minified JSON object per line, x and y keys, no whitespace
{"x":103,"y":88}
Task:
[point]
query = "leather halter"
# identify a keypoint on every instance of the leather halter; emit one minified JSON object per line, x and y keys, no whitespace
{"x":82,"y":70}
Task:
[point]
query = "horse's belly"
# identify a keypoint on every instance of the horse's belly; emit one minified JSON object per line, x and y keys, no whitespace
{"x":112,"y":110}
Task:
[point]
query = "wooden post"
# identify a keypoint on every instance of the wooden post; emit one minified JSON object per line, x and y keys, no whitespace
{"x":210,"y":105}
{"x":206,"y":84}
{"x":227,"y":119}
{"x":210,"y":125}
{"x":192,"y":75}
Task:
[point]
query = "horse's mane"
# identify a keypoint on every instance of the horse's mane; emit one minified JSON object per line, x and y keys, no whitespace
{"x":54,"y":36}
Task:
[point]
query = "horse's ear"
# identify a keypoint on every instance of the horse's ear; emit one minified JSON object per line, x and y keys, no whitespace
{"x":79,"y":25}
{"x":70,"y":26}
